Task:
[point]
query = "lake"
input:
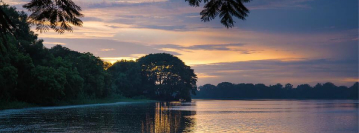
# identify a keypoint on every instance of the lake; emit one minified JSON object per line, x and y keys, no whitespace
{"x":294,"y":116}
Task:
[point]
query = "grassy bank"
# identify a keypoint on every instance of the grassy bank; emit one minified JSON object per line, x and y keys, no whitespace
{"x":80,"y":101}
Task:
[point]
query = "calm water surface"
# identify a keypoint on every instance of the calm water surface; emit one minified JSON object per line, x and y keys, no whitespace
{"x":198,"y":116}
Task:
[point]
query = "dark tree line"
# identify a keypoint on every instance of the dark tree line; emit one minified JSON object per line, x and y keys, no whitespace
{"x":226,"y":90}
{"x":30,"y":72}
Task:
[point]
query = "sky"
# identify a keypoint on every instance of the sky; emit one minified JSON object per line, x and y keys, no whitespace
{"x":281,"y":41}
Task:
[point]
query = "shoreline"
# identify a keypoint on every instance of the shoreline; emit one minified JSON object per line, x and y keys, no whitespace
{"x":18,"y":105}
{"x":269,"y":99}
{"x":14,"y":105}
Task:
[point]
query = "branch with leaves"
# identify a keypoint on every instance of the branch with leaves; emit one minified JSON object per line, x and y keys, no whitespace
{"x":54,"y":14}
{"x":224,"y":8}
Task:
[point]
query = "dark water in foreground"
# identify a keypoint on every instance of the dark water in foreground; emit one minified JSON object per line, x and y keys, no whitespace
{"x":198,"y":116}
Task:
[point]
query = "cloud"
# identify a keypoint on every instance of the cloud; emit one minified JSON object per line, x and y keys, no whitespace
{"x":351,"y":80}
{"x":112,"y":60}
{"x":207,"y":47}
{"x":122,"y":3}
{"x":17,"y":3}
{"x":91,"y":19}
{"x":278,"y":4}
{"x":53,"y":43}
{"x":202,"y":47}
{"x":108,"y":49}
{"x":203,"y":75}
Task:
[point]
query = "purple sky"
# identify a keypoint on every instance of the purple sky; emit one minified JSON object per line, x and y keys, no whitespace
{"x":281,"y":41}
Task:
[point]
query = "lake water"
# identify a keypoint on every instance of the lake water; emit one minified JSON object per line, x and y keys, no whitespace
{"x":274,"y":116}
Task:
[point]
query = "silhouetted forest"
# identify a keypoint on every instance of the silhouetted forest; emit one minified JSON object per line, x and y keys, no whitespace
{"x":32,"y":73}
{"x":226,"y":90}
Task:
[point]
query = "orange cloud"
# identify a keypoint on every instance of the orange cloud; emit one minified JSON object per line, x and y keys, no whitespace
{"x":105,"y":50}
{"x":204,"y":75}
{"x":351,"y":80}
{"x":54,"y":43}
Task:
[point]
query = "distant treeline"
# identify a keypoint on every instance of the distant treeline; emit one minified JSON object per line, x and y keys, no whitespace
{"x":32,"y":73}
{"x":226,"y":90}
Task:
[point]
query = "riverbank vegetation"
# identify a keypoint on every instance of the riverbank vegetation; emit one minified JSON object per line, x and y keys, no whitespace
{"x":31,"y":74}
{"x":226,"y":90}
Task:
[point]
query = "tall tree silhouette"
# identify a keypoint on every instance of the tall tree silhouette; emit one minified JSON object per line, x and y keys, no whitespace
{"x":166,"y":77}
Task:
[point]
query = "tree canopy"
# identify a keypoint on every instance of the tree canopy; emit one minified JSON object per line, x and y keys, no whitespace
{"x":31,"y":73}
{"x":167,"y":77}
{"x":126,"y":78}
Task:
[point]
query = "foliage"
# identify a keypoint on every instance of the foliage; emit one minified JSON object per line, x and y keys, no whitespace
{"x":32,"y":73}
{"x":224,"y":8}
{"x":29,"y":72}
{"x":126,"y":78}
{"x":48,"y":85}
{"x":166,"y":77}
{"x":96,"y":79}
{"x":226,"y":90}
{"x":157,"y":76}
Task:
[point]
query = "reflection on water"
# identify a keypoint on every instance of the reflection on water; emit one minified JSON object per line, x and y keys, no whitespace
{"x":197,"y":116}
{"x":121,"y":117}
{"x":165,"y":120}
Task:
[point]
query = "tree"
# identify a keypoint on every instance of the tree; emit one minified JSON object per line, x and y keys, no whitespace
{"x":166,"y":77}
{"x":6,"y":25}
{"x":32,"y":73}
{"x":207,"y":87}
{"x":126,"y":78}
{"x":14,"y":65}
{"x":96,"y":79}
{"x":303,"y":91}
{"x":354,"y":91}
{"x":48,"y":87}
{"x":288,"y":86}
